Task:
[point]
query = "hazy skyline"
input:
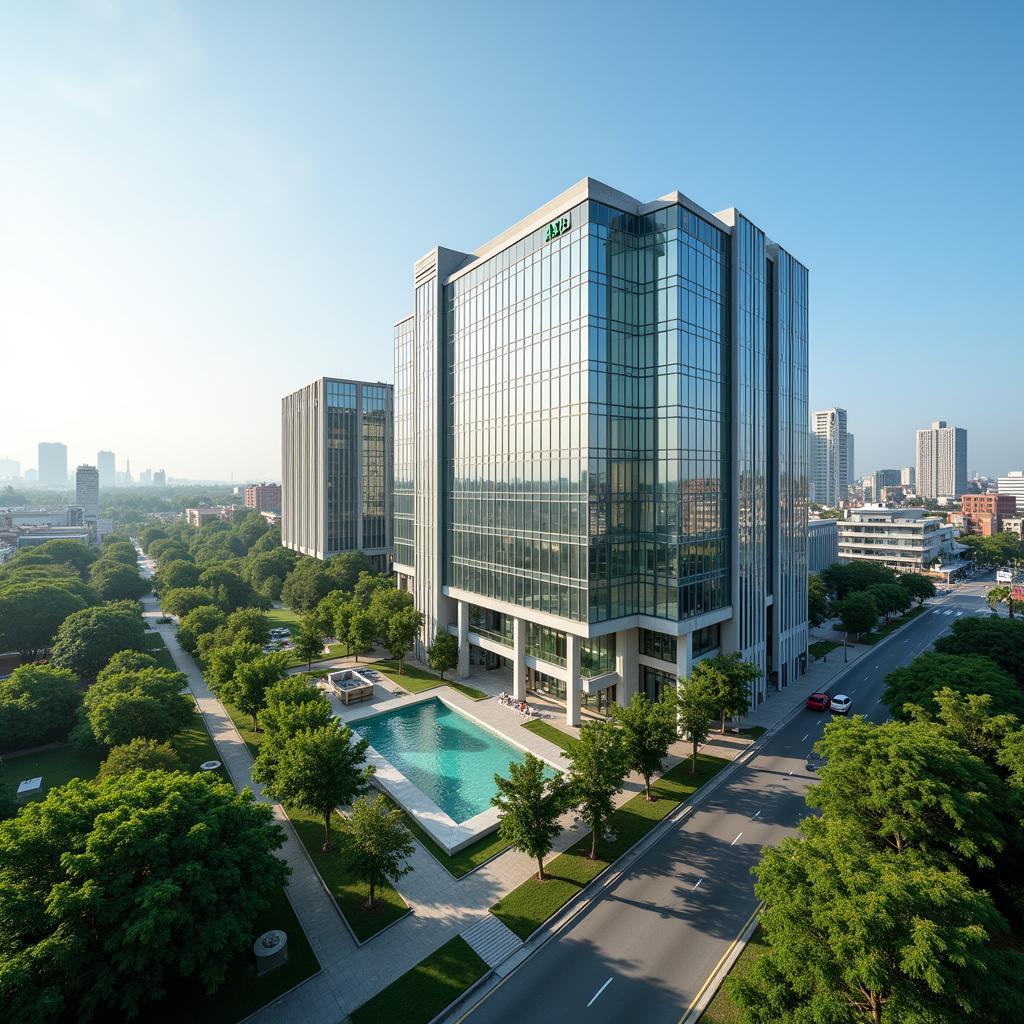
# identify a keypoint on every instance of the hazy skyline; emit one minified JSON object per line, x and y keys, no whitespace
{"x":206,"y":206}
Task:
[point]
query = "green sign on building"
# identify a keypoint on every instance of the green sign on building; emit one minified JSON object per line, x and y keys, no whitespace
{"x":556,"y":228}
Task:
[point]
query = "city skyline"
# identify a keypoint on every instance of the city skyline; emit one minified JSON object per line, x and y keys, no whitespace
{"x":131,"y":125}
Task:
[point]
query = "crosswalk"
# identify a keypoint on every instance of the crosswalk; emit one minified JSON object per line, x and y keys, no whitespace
{"x":492,"y":940}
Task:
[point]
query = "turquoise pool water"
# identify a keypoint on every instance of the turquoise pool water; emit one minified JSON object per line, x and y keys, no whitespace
{"x":442,"y":753}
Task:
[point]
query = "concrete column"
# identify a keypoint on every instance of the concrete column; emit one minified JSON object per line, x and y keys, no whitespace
{"x":463,"y":612}
{"x":684,"y":655}
{"x":627,"y":649}
{"x":573,"y":687}
{"x":519,"y":659}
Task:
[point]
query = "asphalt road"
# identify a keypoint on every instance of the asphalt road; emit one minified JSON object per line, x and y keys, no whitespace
{"x":644,"y":948}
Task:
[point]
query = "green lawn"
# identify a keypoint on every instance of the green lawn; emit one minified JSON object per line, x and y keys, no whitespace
{"x":752,"y":732}
{"x":284,"y":617}
{"x":55,"y":766}
{"x":194,"y":746}
{"x":416,"y":679}
{"x":156,"y":646}
{"x":348,"y":892}
{"x":548,"y":732}
{"x":461,"y":863}
{"x":333,"y":651}
{"x":821,"y":647}
{"x":883,"y":631}
{"x":721,"y":1009}
{"x":420,"y":994}
{"x":526,"y":908}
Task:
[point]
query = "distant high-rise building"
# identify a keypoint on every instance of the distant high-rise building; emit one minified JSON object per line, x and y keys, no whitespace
{"x":908,"y":477}
{"x":263,"y":497}
{"x":127,"y":471}
{"x":146,"y":477}
{"x":159,"y":478}
{"x":336,"y":466}
{"x":10,"y":469}
{"x":53,"y":464}
{"x":106,"y":468}
{"x":830,"y":473}
{"x":941,"y":461}
{"x":878,"y":480}
{"x":87,"y":490}
{"x":1013,"y":483}
{"x":31,"y":476}
{"x":851,"y":477}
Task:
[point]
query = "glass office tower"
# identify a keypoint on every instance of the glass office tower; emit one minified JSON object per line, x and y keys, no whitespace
{"x":601,"y":450}
{"x":336,"y":469}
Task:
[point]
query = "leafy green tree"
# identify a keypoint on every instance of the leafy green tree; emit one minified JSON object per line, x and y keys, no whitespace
{"x":112,"y":890}
{"x":443,"y":653}
{"x":119,"y":551}
{"x":694,"y":707}
{"x":175,"y":575}
{"x":224,"y":663}
{"x":31,"y":614}
{"x":890,"y":598}
{"x":317,"y":771}
{"x":324,"y":615}
{"x":148,"y":534}
{"x":1002,"y":640}
{"x":183,"y":600}
{"x":125,"y":661}
{"x":909,"y":787}
{"x":228,"y":589}
{"x":168,"y":550}
{"x":247,"y":687}
{"x":401,"y":632}
{"x":1011,"y":758}
{"x":309,"y":642}
{"x":140,"y":753}
{"x":727,"y":679}
{"x":88,"y":638}
{"x":919,"y":682}
{"x":919,"y":587}
{"x":529,"y":807}
{"x":817,"y":600}
{"x":362,"y":631}
{"x":381,"y":843}
{"x":293,"y":705}
{"x":74,"y":553}
{"x":648,"y":729}
{"x":971,"y":722}
{"x":860,"y":935}
{"x":147,"y":703}
{"x":37,"y":704}
{"x":267,"y":570}
{"x":844,"y":578}
{"x":343,"y":619}
{"x":270,"y":541}
{"x":385,"y":604}
{"x":115,"y":581}
{"x":345,"y":569}
{"x":368,"y":584}
{"x":201,"y":621}
{"x":858,"y":613}
{"x":597,"y":770}
{"x":306,"y":585}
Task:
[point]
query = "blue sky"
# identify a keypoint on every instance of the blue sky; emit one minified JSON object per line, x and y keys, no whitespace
{"x":206,"y":205}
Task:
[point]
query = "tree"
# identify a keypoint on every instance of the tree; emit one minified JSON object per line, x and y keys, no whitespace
{"x":890,"y":598}
{"x":176,"y":574}
{"x":324,"y":615}
{"x":200,"y":621}
{"x":168,"y":550}
{"x":345,"y":569}
{"x":293,"y":705}
{"x":125,"y":661}
{"x":1002,"y":640}
{"x":37,"y":704}
{"x":318,"y":770}
{"x":694,"y":707}
{"x":228,"y":589}
{"x":909,"y":787}
{"x":844,"y":578}
{"x":309,"y":642}
{"x":648,"y":729}
{"x":362,"y":631}
{"x":401,"y":632}
{"x":87,"y":639}
{"x":443,"y":653}
{"x":31,"y":614}
{"x":115,"y":581}
{"x":381,"y":843}
{"x":919,"y":587}
{"x":140,"y":754}
{"x":727,"y":679}
{"x":1002,"y":595}
{"x":246,"y":688}
{"x":919,"y":682}
{"x":343,"y":619}
{"x":859,"y":935}
{"x":113,"y":889}
{"x":817,"y":600}
{"x":306,"y":585}
{"x":858,"y":612}
{"x":147,"y":703}
{"x":368,"y":584}
{"x":181,"y":601}
{"x":224,"y":662}
{"x":1011,"y":758}
{"x":970,"y":721}
{"x":529,"y":807}
{"x":597,"y":768}
{"x":385,"y":604}
{"x":74,"y":553}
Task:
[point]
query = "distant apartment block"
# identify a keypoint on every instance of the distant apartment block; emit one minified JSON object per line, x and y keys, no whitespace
{"x":87,"y":490}
{"x":851,"y":476}
{"x":10,"y":469}
{"x":908,"y":478}
{"x":263,"y":497}
{"x":1014,"y":525}
{"x":876,"y":482}
{"x":830,"y":457}
{"x":941,"y":461}
{"x":209,"y":514}
{"x":822,"y":544}
{"x":906,"y":539}
{"x":53,"y":464}
{"x":159,"y":478}
{"x":1013,"y":483}
{"x":105,"y":467}
{"x":984,"y":514}
{"x":337,"y":441}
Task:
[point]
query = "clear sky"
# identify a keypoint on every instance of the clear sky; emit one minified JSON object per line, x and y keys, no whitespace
{"x":206,"y":205}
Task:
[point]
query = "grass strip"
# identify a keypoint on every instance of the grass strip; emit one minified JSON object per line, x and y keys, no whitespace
{"x":157,"y":648}
{"x":420,"y":994}
{"x":56,"y":767}
{"x":752,"y":732}
{"x":722,"y":1009}
{"x":416,"y":679}
{"x":526,"y":908}
{"x":548,"y":732}
{"x":883,"y":631}
{"x":461,"y":863}
{"x":821,"y":647}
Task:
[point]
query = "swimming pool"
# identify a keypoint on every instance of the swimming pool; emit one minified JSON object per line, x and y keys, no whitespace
{"x":447,"y":756}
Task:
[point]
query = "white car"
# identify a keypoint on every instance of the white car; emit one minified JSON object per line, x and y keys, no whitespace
{"x":840,"y":704}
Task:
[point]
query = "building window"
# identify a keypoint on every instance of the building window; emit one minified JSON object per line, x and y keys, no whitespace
{"x":658,"y":645}
{"x":597,"y":656}
{"x":706,"y":639}
{"x":653,"y":681}
{"x":546,"y":644}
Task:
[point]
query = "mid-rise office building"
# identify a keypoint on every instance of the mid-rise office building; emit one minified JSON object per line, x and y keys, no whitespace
{"x":822,"y":544}
{"x":53,"y":464}
{"x":830,"y":457}
{"x":908,"y":478}
{"x":159,"y":478}
{"x":985,"y":513}
{"x":876,"y":482}
{"x":906,"y":539}
{"x":941,"y":461}
{"x":263,"y":497}
{"x":336,"y":469}
{"x":1013,"y":483}
{"x":601,"y":458}
{"x":87,"y":490}
{"x":106,"y":468}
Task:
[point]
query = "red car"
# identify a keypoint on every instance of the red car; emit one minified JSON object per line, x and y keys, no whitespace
{"x":819,"y":702}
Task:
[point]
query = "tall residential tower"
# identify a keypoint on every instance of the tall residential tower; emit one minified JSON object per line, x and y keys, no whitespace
{"x":941,"y":461}
{"x":601,"y":447}
{"x":53,"y":464}
{"x":830,"y":459}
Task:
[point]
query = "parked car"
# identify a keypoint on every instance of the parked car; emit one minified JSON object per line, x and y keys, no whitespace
{"x":840,"y":704}
{"x":819,"y":702}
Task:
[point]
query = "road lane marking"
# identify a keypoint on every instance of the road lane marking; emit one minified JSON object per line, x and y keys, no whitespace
{"x":733,"y":843}
{"x":699,"y":880}
{"x":758,"y":815}
{"x":598,"y":992}
{"x":805,"y":737}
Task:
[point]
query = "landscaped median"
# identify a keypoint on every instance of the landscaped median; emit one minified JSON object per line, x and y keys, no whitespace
{"x":722,"y":1009}
{"x":416,"y":679}
{"x":548,"y":732}
{"x":526,"y":908}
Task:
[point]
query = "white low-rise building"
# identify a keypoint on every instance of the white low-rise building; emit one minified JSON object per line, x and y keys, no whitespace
{"x":822,"y":544}
{"x":907,"y":539}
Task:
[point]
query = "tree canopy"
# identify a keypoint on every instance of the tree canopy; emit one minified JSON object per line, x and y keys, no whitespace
{"x":529,"y":806}
{"x":597,"y":770}
{"x":1000,"y":639}
{"x":147,"y":702}
{"x":31,"y":614}
{"x":38,"y":704}
{"x":381,"y":842}
{"x":87,"y":638}
{"x":648,"y":729}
